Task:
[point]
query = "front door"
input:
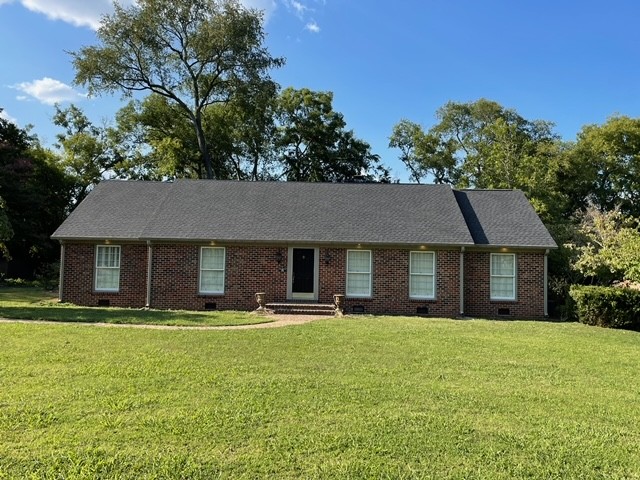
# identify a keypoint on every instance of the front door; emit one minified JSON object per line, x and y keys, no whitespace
{"x":303,"y":273}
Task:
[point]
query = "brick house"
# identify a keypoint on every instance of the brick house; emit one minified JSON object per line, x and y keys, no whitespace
{"x":389,"y":248}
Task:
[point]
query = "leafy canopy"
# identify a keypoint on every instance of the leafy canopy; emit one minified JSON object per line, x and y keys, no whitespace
{"x":194,"y":53}
{"x":313,"y":144}
{"x":609,"y":249}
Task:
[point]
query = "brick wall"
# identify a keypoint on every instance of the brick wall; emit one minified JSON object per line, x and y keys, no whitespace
{"x":529,"y":301}
{"x":390,"y":283}
{"x":175,"y":275}
{"x":79,"y":275}
{"x":175,"y":280}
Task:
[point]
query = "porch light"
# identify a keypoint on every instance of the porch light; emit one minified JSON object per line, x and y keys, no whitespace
{"x":279,"y":257}
{"x":327,"y":258}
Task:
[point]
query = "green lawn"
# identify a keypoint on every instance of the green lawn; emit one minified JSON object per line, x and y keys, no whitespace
{"x":37,"y":304}
{"x":359,"y":397}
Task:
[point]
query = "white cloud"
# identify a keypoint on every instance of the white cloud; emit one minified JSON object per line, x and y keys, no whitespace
{"x":267,"y":6}
{"x":87,"y":13}
{"x":7,"y":117}
{"x":81,"y":13}
{"x":312,"y":26}
{"x":304,"y":11}
{"x":298,"y":8}
{"x":49,"y":91}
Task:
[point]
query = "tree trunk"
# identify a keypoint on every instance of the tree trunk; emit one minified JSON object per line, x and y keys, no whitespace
{"x":202,"y":145}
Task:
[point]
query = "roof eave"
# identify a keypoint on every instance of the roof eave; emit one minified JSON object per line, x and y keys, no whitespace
{"x":224,"y":241}
{"x":514,"y":247}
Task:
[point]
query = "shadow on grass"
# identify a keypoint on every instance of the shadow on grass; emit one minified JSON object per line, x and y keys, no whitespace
{"x":66,"y":313}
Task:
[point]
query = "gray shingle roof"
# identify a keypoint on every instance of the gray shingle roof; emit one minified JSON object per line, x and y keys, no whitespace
{"x":205,"y":210}
{"x":114,"y":209}
{"x":503,"y":217}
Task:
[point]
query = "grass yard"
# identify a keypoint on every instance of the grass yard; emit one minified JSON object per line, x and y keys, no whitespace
{"x":346,"y":398}
{"x":37,"y":304}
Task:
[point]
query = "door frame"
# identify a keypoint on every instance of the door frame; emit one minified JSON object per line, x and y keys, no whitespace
{"x":316,"y":267}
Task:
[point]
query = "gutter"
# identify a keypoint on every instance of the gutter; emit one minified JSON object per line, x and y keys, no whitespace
{"x":461,"y":281}
{"x":546,"y":282}
{"x":61,"y":280}
{"x":149,"y":265}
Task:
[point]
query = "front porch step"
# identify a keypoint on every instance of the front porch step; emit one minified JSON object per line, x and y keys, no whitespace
{"x":302,"y":308}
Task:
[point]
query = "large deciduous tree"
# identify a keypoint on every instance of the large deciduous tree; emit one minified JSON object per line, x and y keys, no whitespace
{"x":89,"y":152}
{"x":194,"y":53}
{"x":239,"y":134}
{"x":481,"y":144}
{"x":6,"y":231}
{"x":477,"y":144}
{"x":424,"y":154}
{"x":313,"y":144}
{"x":603,"y":167}
{"x":36,"y":195}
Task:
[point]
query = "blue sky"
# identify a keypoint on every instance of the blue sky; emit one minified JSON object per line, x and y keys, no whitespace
{"x":570,"y":62}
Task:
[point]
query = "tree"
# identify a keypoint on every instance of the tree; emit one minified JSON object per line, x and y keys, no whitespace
{"x":194,"y":53}
{"x":6,"y":232}
{"x":312,"y":142}
{"x":423,"y":154}
{"x":484,"y":145}
{"x":239,"y":134}
{"x":36,"y":195}
{"x":89,"y":153}
{"x":167,"y":144}
{"x":609,"y":247}
{"x":603,"y":167}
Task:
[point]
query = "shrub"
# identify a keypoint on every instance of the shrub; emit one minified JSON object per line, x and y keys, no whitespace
{"x":607,"y":306}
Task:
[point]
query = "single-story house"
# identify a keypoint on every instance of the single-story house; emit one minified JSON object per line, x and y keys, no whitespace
{"x":389,"y":248}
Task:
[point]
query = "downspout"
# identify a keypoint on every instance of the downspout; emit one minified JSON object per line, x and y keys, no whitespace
{"x":149,"y":264}
{"x":61,"y":280}
{"x":546,"y":282}
{"x":462,"y":281}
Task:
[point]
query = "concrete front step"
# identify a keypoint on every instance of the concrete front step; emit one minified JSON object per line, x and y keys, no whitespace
{"x":302,"y":308}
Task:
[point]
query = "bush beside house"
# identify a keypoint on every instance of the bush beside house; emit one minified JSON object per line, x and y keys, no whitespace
{"x":611,"y":307}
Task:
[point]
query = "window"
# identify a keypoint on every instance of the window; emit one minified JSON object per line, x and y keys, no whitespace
{"x":503,"y":276}
{"x":107,"y":268}
{"x":422,"y":268}
{"x":212,"y":270}
{"x":358,"y":273}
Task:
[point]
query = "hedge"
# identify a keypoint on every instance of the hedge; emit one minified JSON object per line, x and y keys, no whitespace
{"x":611,"y":307}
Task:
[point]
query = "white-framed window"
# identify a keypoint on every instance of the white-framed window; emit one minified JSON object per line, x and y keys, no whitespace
{"x":212,"y":269}
{"x":422,"y":275}
{"x":107,"y":268}
{"x":358,"y":273}
{"x":503,"y":276}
